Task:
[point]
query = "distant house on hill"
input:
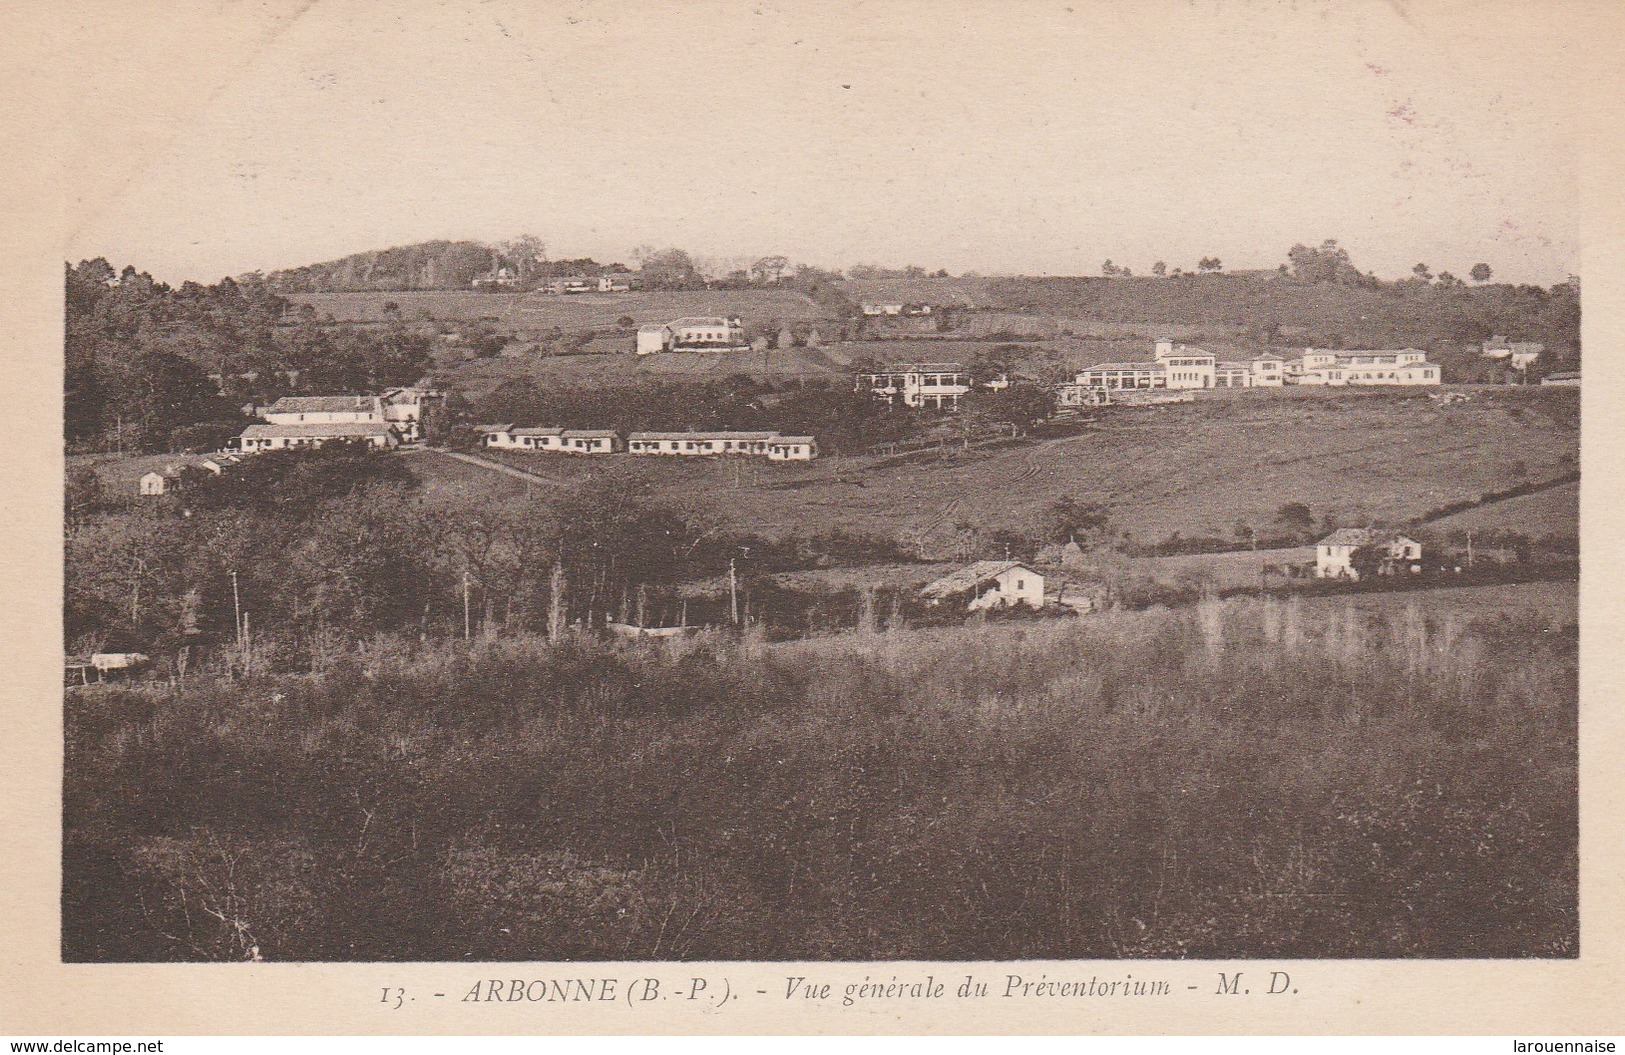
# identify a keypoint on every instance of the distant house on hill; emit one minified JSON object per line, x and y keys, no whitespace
{"x":693,"y":334}
{"x":1518,"y":354}
{"x":938,"y":386}
{"x":989,"y":584}
{"x":1337,"y":556}
{"x":157,"y":483}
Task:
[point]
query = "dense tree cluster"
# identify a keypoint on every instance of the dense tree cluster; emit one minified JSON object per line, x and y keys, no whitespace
{"x":843,"y":420}
{"x":151,"y":367}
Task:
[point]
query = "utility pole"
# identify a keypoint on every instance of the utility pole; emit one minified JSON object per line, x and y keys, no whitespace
{"x":466,"y":625}
{"x":733,"y":593}
{"x":1469,"y":547}
{"x":237,"y":606}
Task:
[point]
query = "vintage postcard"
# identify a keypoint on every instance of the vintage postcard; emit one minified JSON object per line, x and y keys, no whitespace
{"x":818,"y":518}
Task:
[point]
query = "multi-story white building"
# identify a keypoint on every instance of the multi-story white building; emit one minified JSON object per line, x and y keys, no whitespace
{"x":1325,"y":366}
{"x":1180,"y":367}
{"x":934,"y":386}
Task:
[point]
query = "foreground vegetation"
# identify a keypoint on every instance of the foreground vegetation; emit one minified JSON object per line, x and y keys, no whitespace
{"x":1241,"y":778}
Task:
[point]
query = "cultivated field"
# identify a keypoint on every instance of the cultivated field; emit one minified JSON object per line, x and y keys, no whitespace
{"x":621,"y":366}
{"x":522,"y":312}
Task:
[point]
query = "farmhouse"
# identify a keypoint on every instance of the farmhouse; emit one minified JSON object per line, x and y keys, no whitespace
{"x":273,"y":437}
{"x":989,"y":584}
{"x":937,"y":386}
{"x":1563,"y":377}
{"x":1337,"y":555}
{"x":1324,"y":366}
{"x":567,"y":441}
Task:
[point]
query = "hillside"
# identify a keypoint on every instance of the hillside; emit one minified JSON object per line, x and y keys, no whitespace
{"x":1195,"y":470}
{"x":1267,"y":306}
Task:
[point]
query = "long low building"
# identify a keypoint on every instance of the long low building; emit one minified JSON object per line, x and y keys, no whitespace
{"x":546,"y":438}
{"x":273,"y":437}
{"x":770,"y":445}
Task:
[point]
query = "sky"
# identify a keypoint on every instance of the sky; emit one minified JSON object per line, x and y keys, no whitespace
{"x":216,"y":138}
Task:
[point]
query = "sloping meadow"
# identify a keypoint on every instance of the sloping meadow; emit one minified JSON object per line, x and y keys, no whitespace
{"x":1240,"y":778}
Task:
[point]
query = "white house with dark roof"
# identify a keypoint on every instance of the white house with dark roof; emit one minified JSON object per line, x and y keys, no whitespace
{"x":1518,"y":354}
{"x":989,"y":584}
{"x":1335,"y":554}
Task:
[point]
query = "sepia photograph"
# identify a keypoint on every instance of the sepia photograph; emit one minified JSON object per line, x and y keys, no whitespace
{"x":854,"y":483}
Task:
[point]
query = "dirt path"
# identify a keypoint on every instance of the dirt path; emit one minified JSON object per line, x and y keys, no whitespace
{"x":498,"y":467}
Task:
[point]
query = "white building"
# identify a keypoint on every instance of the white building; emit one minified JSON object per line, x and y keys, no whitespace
{"x":1325,"y":366}
{"x":404,"y":409}
{"x":1334,"y":554}
{"x":792,"y":449}
{"x":709,"y":333}
{"x":936,"y":386}
{"x":272,"y":437}
{"x":157,"y":483}
{"x":560,"y":440}
{"x":700,"y":444}
{"x":1181,"y":368}
{"x":653,"y":338}
{"x":989,"y":584}
{"x":1565,"y":377}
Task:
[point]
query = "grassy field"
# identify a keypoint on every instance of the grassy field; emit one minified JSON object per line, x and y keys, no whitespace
{"x":1555,"y":511}
{"x":1196,"y":469}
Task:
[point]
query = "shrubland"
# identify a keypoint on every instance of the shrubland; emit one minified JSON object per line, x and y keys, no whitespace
{"x":1235,"y":779}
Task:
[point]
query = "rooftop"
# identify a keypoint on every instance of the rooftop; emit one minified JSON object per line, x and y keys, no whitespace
{"x":704,"y":436}
{"x":335,"y":430}
{"x":323,"y":405}
{"x":1361,"y":537}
